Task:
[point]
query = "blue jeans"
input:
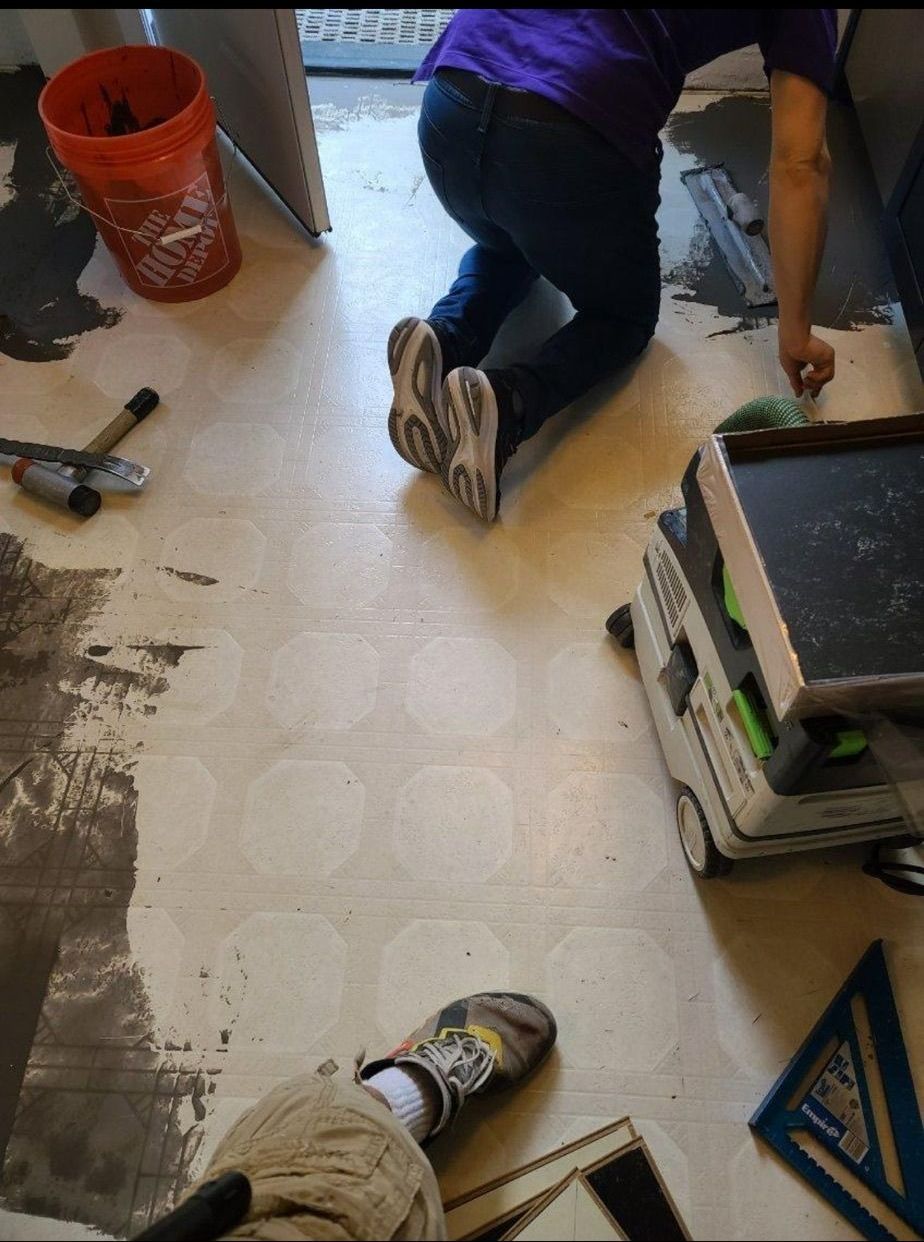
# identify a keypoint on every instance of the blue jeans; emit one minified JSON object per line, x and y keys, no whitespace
{"x":550,"y":198}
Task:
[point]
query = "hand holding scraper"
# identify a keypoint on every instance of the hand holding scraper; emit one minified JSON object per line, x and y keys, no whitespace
{"x":66,"y":487}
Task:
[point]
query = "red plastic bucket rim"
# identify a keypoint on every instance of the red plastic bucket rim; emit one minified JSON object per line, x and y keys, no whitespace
{"x":150,"y":144}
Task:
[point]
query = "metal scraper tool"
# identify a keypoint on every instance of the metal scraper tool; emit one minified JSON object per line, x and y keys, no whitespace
{"x":736,"y":229}
{"x":131,"y":471}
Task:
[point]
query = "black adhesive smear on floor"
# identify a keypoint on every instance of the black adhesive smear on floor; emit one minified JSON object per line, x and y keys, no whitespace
{"x":164,"y":653}
{"x":90,"y":1099}
{"x":188,"y":576}
{"x":45,"y":241}
{"x":855,"y":285}
{"x":723,"y":332}
{"x":10,"y":777}
{"x":98,"y":650}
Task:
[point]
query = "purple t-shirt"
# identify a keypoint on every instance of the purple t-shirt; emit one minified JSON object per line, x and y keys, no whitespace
{"x":622,"y":70}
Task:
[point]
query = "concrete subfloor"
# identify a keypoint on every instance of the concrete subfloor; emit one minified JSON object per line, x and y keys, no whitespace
{"x":310,"y":751}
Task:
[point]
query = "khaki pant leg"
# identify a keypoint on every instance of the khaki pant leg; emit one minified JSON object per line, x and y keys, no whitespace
{"x":328,"y":1161}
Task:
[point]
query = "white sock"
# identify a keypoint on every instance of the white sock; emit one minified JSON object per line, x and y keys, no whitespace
{"x":412,"y":1096}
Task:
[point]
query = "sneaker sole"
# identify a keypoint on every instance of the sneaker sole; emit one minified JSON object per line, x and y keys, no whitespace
{"x":469,"y":471}
{"x":415,"y":363}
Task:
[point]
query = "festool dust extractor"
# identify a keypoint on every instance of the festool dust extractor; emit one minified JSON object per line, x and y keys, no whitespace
{"x":779,"y":629}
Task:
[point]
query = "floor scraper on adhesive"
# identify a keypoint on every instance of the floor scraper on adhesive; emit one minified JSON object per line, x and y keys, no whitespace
{"x":779,"y":630}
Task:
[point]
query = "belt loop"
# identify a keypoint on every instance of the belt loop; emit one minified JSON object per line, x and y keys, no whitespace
{"x":488,"y":107}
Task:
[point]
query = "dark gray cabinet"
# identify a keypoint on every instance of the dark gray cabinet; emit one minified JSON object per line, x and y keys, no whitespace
{"x":884,"y":69}
{"x":904,"y":232}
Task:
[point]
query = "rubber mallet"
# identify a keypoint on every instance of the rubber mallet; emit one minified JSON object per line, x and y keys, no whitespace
{"x":66,"y":487}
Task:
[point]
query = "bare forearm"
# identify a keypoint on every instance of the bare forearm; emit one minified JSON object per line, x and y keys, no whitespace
{"x":799,"y":175}
{"x":798,"y":209}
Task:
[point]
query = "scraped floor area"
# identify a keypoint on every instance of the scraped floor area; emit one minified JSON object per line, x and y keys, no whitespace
{"x":292,"y":750}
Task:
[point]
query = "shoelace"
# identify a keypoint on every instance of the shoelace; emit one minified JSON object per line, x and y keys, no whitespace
{"x":465,"y":1061}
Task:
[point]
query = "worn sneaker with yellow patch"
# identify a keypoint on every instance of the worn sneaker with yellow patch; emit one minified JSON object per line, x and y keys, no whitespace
{"x":479,"y":1044}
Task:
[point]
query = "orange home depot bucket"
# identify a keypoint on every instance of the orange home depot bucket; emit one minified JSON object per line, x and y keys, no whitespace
{"x":136,"y":127}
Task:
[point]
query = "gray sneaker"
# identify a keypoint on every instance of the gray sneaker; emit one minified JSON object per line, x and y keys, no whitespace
{"x":483,"y":436}
{"x":416,"y":423}
{"x":477,"y":1045}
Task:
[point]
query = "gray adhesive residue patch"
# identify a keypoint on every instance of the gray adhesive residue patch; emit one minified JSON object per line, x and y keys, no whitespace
{"x":855,"y":283}
{"x":98,"y":1118}
{"x":45,"y":241}
{"x":187,"y":575}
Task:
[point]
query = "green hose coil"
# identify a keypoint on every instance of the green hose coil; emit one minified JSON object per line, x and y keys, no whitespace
{"x":765,"y":412}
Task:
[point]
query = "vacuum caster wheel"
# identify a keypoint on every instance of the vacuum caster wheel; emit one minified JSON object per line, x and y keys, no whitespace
{"x":701,"y":851}
{"x":619,"y":624}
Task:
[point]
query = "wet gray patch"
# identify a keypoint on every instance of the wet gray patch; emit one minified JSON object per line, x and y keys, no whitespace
{"x":188,"y":576}
{"x":91,"y":1100}
{"x":855,"y":284}
{"x":45,"y":241}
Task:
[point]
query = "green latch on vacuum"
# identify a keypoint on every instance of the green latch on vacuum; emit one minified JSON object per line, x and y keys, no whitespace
{"x":849,"y":742}
{"x":759,"y":735}
{"x":732,"y":607}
